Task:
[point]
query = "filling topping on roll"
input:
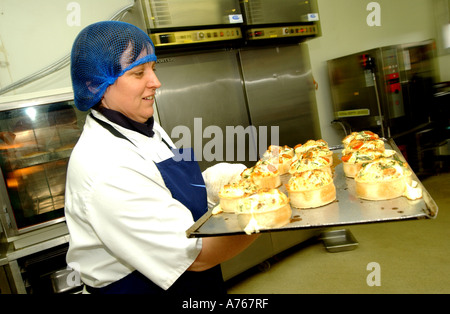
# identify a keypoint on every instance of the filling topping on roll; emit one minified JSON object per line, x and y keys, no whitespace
{"x":275,"y":151}
{"x":264,"y":200}
{"x":366,"y":155}
{"x":362,"y":135}
{"x":355,"y":145}
{"x":308,"y":163}
{"x":238,"y":189}
{"x":262,"y":168}
{"x":311,"y":144}
{"x":309,"y":180}
{"x":383,"y":169}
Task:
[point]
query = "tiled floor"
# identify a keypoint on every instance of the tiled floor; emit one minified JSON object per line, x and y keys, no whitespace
{"x":409,"y":257}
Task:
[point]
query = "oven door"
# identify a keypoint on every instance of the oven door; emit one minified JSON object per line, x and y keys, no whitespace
{"x":190,"y":13}
{"x":35,"y":145}
{"x":258,"y":12}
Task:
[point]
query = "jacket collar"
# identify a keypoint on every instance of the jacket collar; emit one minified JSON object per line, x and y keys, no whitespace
{"x":127,"y":123}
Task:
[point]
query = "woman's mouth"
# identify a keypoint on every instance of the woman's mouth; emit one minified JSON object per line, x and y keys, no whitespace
{"x":149,"y":98}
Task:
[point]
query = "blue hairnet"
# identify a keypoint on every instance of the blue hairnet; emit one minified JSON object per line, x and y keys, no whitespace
{"x":101,"y":53}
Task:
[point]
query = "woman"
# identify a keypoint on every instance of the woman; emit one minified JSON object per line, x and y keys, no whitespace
{"x":129,"y":201}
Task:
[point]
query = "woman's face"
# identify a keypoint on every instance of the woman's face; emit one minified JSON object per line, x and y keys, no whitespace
{"x":133,"y":94}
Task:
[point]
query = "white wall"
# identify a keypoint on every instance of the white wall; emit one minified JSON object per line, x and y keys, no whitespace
{"x":345,"y":31}
{"x":36,"y":33}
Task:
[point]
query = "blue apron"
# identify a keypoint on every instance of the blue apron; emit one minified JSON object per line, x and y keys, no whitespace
{"x":185,"y":181}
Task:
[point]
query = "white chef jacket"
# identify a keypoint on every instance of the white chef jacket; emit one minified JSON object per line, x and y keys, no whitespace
{"x":121,"y":216}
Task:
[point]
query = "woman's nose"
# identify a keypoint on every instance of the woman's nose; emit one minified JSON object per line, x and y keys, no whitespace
{"x":153,"y":81}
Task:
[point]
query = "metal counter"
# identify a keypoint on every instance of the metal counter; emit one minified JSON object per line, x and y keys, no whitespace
{"x":347,"y":209}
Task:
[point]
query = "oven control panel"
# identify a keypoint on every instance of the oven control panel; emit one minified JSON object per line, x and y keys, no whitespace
{"x":195,"y":36}
{"x":281,"y":32}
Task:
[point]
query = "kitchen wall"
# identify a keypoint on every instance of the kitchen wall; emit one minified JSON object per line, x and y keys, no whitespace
{"x":34,"y":34}
{"x":345,"y":31}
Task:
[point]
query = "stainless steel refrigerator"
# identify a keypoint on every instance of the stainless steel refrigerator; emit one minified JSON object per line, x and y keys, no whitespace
{"x":252,"y":97}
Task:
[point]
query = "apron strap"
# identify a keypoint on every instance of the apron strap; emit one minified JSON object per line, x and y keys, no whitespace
{"x":116,"y":133}
{"x":111,"y":129}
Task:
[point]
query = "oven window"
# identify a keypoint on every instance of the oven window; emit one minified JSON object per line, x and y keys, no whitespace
{"x":35,"y":146}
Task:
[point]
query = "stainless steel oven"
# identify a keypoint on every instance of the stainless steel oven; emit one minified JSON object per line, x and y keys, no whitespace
{"x":282,"y":20}
{"x":164,"y":14}
{"x":261,"y":12}
{"x":181,"y":22}
{"x":36,"y":138}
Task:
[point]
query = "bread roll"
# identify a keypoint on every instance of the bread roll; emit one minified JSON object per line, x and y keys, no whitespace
{"x":319,"y":152}
{"x":230,"y":194}
{"x":355,"y":145}
{"x":264,"y":175}
{"x":310,"y":189}
{"x":280,"y":157}
{"x":382,"y":179}
{"x":311,"y":144}
{"x":351,"y":169}
{"x":382,"y":190}
{"x":219,"y":175}
{"x":362,"y":135}
{"x":305,"y":163}
{"x":353,"y":161}
{"x":269,"y":208}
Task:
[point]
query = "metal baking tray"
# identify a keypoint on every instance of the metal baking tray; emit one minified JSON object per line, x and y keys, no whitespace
{"x":339,"y":240}
{"x":347,"y":209}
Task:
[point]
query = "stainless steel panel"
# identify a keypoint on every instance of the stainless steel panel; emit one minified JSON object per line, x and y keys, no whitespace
{"x":418,"y":74}
{"x":282,"y":241}
{"x":391,"y":78}
{"x":353,"y":90}
{"x":199,"y":91}
{"x":189,"y":13}
{"x":265,"y":247}
{"x":280,"y":92}
{"x":270,"y":11}
{"x":404,"y":79}
{"x":256,"y":253}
